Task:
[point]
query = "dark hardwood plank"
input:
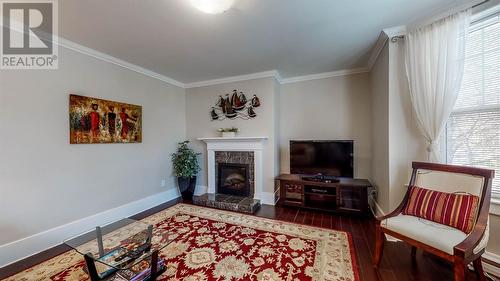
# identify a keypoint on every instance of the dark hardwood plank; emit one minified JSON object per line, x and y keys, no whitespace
{"x":309,"y":217}
{"x":288,"y":214}
{"x":346,"y":224}
{"x":317,"y":217}
{"x":356,"y":228}
{"x":301,"y":215}
{"x":326,"y":222}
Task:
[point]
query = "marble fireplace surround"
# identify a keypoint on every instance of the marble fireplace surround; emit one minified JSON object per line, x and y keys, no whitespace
{"x":236,"y":144}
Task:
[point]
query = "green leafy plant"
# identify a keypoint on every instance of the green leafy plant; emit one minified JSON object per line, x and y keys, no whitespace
{"x":185,"y":161}
{"x":232,"y":129}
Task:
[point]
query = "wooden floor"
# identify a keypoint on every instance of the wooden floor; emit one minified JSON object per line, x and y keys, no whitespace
{"x":396,"y":265}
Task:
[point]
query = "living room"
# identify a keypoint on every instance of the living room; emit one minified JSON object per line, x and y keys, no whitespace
{"x":250,"y":140}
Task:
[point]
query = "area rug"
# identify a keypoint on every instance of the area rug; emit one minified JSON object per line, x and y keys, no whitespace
{"x":221,"y":245}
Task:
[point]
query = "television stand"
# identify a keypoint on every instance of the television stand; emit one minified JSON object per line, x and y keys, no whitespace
{"x":321,"y":178}
{"x":346,"y":195}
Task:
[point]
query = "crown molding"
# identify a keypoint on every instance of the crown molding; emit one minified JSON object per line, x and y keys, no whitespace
{"x":68,"y":44}
{"x":324,"y":75}
{"x":395,"y":31}
{"x":265,"y":74}
{"x":276,"y":75}
{"x":65,"y":43}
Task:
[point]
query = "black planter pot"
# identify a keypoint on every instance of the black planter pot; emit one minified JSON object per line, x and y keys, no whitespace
{"x":186,"y":187}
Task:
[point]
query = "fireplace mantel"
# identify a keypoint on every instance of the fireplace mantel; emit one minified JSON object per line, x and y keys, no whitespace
{"x":212,"y":139}
{"x":245,"y":143}
{"x":253,"y":144}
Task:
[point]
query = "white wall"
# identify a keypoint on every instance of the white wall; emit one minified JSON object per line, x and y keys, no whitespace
{"x":328,"y":109}
{"x":406,"y":142}
{"x":277,"y":127}
{"x":331,"y":108}
{"x":198,"y":104}
{"x":494,"y":242}
{"x":46,"y":182}
{"x":379,"y":84}
{"x":397,"y":141}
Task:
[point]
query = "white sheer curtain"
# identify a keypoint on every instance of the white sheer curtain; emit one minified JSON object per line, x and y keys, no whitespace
{"x":434,"y":57}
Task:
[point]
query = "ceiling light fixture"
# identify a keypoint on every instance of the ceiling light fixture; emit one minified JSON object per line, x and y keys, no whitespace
{"x":212,"y":6}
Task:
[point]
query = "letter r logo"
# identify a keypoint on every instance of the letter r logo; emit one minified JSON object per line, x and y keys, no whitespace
{"x":27,"y":28}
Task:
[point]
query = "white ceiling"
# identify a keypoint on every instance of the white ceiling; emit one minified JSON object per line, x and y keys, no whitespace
{"x":295,"y":37}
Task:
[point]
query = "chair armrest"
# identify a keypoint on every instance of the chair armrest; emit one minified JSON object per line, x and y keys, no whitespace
{"x":402,"y":205}
{"x":466,"y":247}
{"x":396,"y":211}
{"x":390,"y":215}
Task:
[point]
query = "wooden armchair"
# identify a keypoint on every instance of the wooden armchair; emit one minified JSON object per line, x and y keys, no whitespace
{"x":441,"y":240}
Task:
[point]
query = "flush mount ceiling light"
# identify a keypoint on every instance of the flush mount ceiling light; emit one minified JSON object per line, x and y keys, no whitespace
{"x":212,"y":6}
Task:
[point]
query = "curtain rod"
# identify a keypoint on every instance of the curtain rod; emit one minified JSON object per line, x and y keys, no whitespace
{"x":479,"y":4}
{"x":395,"y":39}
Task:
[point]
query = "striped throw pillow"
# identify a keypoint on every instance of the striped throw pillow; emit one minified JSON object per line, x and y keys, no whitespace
{"x":455,"y":210}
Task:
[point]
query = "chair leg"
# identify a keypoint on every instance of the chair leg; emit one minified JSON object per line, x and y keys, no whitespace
{"x":413,"y":252}
{"x":459,"y":269}
{"x":478,"y":268}
{"x":379,"y":246}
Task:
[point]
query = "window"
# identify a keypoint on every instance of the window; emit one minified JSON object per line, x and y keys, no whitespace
{"x":473,"y":130}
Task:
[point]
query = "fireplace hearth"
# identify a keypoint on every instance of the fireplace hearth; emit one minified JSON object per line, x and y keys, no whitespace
{"x":227,"y":202}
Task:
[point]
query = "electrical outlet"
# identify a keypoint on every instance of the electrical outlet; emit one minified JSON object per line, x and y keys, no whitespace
{"x":163,"y":182}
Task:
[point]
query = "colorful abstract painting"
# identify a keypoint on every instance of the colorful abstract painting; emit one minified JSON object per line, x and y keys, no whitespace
{"x":94,"y":120}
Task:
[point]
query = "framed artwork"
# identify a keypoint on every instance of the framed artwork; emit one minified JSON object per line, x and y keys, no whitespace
{"x":93,"y":120}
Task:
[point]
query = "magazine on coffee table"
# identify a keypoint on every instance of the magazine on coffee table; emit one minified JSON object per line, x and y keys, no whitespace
{"x":140,"y":271}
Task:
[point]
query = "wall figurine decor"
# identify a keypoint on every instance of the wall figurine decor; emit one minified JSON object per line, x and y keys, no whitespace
{"x":233,"y":106}
{"x":94,"y":120}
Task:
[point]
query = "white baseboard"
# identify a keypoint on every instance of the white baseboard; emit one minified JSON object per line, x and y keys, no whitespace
{"x":25,"y":247}
{"x":378,"y":210}
{"x":200,"y":189}
{"x":267,"y":198}
{"x":490,"y":268}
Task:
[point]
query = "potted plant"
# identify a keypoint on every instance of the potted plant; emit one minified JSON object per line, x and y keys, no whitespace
{"x":228,"y":132}
{"x":185,"y":162}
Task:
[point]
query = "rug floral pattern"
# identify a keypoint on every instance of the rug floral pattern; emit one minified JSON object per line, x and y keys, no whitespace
{"x":219,"y":245}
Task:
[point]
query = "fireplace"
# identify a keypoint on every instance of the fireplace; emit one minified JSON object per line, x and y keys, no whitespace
{"x":233,"y":179}
{"x":234,"y":174}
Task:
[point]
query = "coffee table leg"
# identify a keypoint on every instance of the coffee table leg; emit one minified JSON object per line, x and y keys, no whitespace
{"x":150,"y":234}
{"x":91,"y":267}
{"x":99,"y":241}
{"x":154,"y":264}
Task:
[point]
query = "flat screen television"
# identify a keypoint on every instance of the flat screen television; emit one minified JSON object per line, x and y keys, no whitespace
{"x":326,"y":157}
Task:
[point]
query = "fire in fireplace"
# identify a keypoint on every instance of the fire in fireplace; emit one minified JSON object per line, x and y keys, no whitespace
{"x":233,"y":179}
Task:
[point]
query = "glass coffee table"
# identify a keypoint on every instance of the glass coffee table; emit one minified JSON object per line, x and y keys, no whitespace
{"x":123,"y":250}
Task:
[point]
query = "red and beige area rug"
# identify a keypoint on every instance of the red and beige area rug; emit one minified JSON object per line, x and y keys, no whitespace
{"x":226,"y":246}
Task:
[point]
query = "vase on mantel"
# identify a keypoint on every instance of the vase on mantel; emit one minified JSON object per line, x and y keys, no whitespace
{"x":228,"y":134}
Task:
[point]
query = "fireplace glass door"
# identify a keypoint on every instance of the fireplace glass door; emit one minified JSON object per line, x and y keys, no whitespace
{"x":233,"y":179}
